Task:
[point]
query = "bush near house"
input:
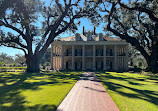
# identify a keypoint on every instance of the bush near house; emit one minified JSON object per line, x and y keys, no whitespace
{"x":1,"y":64}
{"x":5,"y":69}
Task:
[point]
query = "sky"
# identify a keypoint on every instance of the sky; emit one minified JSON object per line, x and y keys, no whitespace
{"x":84,"y":22}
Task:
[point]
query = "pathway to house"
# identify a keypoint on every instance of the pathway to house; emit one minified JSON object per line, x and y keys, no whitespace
{"x":88,"y":94}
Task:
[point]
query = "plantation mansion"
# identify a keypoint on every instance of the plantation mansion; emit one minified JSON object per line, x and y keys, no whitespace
{"x":89,"y":51}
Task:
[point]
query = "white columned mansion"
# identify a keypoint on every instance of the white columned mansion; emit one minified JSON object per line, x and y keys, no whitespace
{"x":89,"y":51}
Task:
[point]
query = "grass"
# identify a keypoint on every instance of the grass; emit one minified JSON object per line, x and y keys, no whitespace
{"x":12,"y":69}
{"x":131,"y":92}
{"x":34,"y":92}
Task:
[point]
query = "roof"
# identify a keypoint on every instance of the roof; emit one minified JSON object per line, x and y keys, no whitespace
{"x":95,"y":38}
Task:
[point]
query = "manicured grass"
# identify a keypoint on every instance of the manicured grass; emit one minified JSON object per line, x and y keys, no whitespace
{"x":35,"y":92}
{"x":131,"y":92}
{"x":12,"y":69}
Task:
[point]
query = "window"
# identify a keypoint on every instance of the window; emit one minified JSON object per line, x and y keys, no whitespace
{"x":99,"y":52}
{"x":69,"y":52}
{"x":78,"y":52}
{"x":109,"y":52}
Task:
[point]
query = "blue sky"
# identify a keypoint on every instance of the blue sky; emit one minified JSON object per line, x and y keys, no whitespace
{"x":84,"y":22}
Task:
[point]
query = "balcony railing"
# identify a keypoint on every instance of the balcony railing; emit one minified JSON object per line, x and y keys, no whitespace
{"x":122,"y":54}
{"x":109,"y":54}
{"x":78,"y":54}
{"x":68,"y":54}
{"x":88,"y":54}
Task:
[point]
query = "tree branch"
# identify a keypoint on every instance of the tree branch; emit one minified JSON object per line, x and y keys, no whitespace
{"x":59,"y":5}
{"x":16,"y":48}
{"x":141,"y":9}
{"x":133,"y":41}
{"x":14,"y":41}
{"x":13,"y":28}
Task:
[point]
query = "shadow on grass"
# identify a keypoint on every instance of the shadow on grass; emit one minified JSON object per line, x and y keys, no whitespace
{"x":10,"y":98}
{"x":142,"y":93}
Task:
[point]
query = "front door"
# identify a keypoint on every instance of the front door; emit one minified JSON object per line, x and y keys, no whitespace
{"x":68,"y":65}
{"x":89,"y":65}
{"x":99,"y":65}
{"x":109,"y":65}
{"x":78,"y":65}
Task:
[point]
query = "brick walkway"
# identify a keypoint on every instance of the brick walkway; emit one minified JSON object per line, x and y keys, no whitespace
{"x":88,"y":95}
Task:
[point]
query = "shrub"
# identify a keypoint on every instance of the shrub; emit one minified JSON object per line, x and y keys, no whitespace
{"x":47,"y":64}
{"x":14,"y":64}
{"x":1,"y":64}
{"x":140,"y":64}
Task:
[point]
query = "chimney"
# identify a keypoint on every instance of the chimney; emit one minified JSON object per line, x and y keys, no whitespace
{"x":94,"y":31}
{"x":83,"y":30}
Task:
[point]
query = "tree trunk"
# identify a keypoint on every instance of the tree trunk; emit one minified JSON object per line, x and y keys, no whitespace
{"x":153,"y":59}
{"x":152,"y":65}
{"x":33,"y":64}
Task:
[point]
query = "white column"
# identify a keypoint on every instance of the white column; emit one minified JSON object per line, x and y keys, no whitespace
{"x":126,"y":58}
{"x":83,"y":57}
{"x":62,"y":57}
{"x":104,"y":57}
{"x":55,"y":57}
{"x":52,"y":56}
{"x":94,"y":61}
{"x":73,"y":58}
{"x":115,"y":57}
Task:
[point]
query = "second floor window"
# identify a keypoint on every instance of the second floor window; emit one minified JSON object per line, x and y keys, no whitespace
{"x":109,"y":52}
{"x":99,"y":52}
{"x":69,"y":52}
{"x":78,"y":52}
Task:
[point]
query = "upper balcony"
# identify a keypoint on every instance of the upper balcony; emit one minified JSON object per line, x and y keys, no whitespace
{"x":98,"y":52}
{"x":109,"y":52}
{"x":78,"y":52}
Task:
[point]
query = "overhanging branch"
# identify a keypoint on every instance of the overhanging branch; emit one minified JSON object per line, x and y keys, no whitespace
{"x":16,"y":48}
{"x":141,"y":9}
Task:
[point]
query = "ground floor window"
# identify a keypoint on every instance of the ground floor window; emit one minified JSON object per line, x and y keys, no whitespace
{"x":78,"y":65}
{"x":99,"y":65}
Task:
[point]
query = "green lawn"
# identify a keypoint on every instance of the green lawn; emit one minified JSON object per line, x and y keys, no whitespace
{"x":34,"y":92}
{"x":131,"y":92}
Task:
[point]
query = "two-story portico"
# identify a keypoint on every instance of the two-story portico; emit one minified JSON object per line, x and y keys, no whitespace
{"x":80,"y":52}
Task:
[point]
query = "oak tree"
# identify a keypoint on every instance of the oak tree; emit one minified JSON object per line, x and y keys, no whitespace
{"x":135,"y":21}
{"x":32,"y":25}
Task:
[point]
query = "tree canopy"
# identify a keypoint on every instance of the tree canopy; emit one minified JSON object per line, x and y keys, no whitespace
{"x":135,"y":21}
{"x":33,"y":25}
{"x":6,"y":58}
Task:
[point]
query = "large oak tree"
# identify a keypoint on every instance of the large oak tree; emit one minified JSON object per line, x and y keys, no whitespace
{"x":32,"y":25}
{"x":135,"y":21}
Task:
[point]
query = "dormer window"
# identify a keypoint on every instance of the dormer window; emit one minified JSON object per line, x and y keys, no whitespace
{"x":78,"y":37}
{"x":101,"y":37}
{"x":89,"y":37}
